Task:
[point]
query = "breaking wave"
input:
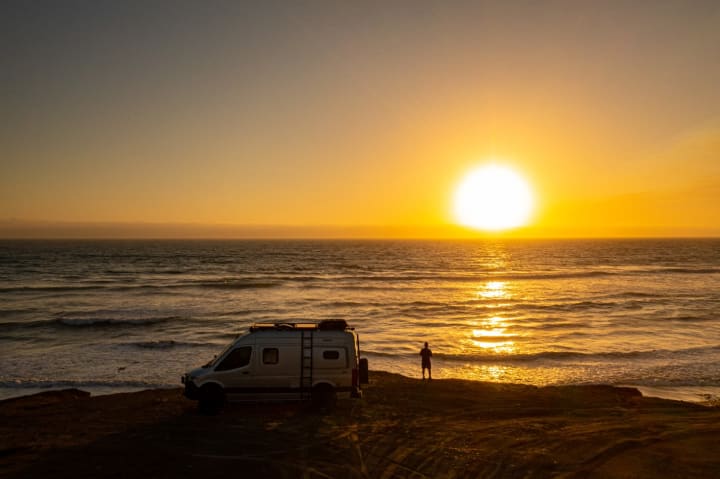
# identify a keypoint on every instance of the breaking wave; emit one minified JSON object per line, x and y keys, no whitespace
{"x":558,"y":356}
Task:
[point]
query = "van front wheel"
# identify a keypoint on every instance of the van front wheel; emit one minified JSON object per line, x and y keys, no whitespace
{"x":324,"y":396}
{"x":212,"y":398}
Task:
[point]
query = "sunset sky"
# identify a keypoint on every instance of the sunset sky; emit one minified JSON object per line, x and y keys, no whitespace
{"x":356,"y":118}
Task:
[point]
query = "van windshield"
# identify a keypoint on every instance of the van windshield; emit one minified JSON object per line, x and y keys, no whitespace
{"x":215,"y":360}
{"x":237,"y":358}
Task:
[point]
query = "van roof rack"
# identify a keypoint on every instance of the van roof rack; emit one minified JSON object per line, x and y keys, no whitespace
{"x":324,"y":325}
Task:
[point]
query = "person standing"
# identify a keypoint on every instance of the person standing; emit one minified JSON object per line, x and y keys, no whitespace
{"x":426,"y":354}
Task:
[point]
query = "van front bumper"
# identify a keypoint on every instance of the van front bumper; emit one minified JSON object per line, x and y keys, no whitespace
{"x":191,"y":391}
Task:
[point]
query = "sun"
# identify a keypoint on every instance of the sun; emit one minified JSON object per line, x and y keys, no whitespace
{"x":493,"y":198}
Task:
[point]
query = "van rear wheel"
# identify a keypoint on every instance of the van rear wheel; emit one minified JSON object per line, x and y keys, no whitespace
{"x":212,"y":398}
{"x":324,"y":396}
{"x":364,"y":373}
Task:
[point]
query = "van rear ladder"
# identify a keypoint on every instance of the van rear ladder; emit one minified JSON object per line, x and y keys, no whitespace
{"x":306,"y":363}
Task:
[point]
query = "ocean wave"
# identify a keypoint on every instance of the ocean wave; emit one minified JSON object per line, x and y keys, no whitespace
{"x":87,"y":322}
{"x":361,"y":281}
{"x":50,"y":289}
{"x":118,"y":286}
{"x":634,"y":295}
{"x":166,"y":344}
{"x":234,"y":284}
{"x":381,"y":354}
{"x":676,"y":270}
{"x":14,"y":325}
{"x":369,"y":288}
{"x":692,"y":318}
{"x":513,"y":358}
{"x":79,"y":384}
{"x":357,"y":304}
{"x":574,"y":306}
{"x":556,"y":355}
{"x":489,"y":276}
{"x":14,"y":312}
{"x":341,"y":281}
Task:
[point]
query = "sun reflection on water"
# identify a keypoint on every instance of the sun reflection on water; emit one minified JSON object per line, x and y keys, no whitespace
{"x":489,"y":335}
{"x":494,"y":322}
{"x":486,"y":373}
{"x":494,"y":290}
{"x":493,"y":336}
{"x":502,"y":347}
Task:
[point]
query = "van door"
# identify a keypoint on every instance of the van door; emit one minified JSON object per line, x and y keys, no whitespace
{"x":235,"y":373}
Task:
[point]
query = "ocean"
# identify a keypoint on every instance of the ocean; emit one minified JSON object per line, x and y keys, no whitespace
{"x":110,"y":316}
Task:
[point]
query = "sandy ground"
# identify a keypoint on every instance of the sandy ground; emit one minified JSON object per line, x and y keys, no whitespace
{"x":402,"y":428}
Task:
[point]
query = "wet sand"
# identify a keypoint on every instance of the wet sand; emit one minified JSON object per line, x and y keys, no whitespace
{"x":402,"y":428}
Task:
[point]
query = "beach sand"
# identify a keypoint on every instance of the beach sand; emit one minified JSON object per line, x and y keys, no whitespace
{"x":402,"y":428}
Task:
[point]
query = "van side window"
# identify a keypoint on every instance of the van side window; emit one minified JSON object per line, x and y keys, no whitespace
{"x":236,"y":359}
{"x":331,"y":354}
{"x":271,"y":356}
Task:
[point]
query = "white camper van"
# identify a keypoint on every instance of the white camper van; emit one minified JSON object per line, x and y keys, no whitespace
{"x":283,"y":361}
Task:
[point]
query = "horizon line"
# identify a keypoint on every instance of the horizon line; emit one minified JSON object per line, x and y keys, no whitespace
{"x":18,"y":229}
